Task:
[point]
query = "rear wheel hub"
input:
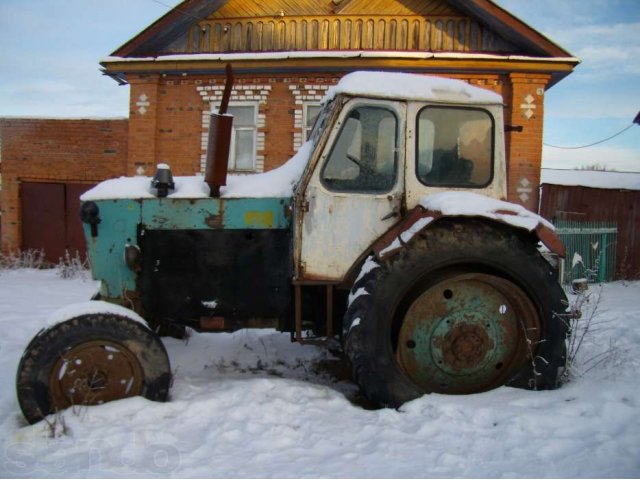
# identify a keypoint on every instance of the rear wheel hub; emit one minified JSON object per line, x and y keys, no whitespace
{"x":467,"y":333}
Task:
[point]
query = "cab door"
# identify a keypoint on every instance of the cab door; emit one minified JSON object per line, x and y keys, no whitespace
{"x":355,"y":192}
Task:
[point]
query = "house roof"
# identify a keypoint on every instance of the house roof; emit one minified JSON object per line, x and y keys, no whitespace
{"x":173,"y":24}
{"x":527,"y":43}
{"x":510,"y":27}
{"x":168,"y":27}
{"x":591,"y":179}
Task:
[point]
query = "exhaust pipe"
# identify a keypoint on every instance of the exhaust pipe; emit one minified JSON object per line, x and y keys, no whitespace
{"x":219,"y":141}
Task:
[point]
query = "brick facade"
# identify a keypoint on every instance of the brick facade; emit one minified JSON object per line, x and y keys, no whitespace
{"x":56,"y":151}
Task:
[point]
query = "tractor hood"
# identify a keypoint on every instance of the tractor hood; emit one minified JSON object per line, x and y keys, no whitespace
{"x":277,"y":183}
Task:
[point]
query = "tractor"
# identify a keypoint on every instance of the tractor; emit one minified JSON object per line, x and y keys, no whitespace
{"x":387,"y":231}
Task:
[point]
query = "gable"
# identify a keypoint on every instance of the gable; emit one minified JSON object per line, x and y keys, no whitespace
{"x":273,"y":8}
{"x":406,"y":7}
{"x":432,"y":26}
{"x":392,"y":25}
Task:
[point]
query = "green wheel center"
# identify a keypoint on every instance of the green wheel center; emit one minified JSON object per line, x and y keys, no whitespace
{"x":464,"y":334}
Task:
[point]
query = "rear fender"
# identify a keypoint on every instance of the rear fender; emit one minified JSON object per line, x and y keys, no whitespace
{"x":420,"y":219}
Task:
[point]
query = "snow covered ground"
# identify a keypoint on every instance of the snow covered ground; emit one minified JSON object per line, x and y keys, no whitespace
{"x":251,"y":404}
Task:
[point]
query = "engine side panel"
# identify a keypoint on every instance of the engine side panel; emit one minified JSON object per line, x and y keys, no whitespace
{"x":240,"y":274}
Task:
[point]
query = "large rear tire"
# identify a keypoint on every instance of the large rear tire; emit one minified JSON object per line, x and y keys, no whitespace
{"x":466,"y":307}
{"x":89,"y":360}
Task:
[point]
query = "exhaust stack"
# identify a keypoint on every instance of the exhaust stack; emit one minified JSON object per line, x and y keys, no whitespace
{"x":219,"y":141}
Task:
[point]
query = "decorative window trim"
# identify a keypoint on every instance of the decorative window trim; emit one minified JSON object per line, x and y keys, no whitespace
{"x":306,"y":94}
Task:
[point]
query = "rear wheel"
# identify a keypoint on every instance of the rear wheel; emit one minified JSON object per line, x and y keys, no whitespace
{"x":467,"y":307}
{"x":89,"y":360}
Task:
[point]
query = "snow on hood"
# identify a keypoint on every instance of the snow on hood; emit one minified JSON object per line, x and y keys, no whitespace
{"x":279,"y":182}
{"x":473,"y":204}
{"x":412,"y":87}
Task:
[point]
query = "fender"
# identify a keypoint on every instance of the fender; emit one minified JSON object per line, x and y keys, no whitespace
{"x":420,"y":218}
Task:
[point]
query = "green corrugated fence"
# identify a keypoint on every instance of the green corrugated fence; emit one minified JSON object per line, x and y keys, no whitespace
{"x":591,"y":250}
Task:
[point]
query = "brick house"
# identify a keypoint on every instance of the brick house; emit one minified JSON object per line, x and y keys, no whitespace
{"x":286,"y":55}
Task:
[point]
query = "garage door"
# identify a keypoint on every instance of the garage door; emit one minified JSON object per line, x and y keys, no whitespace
{"x":50,"y":219}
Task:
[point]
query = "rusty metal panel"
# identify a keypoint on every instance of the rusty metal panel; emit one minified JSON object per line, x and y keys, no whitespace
{"x":586,"y":204}
{"x":43,"y":218}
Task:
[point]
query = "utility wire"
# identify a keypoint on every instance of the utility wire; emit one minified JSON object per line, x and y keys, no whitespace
{"x":199,"y":19}
{"x":592,"y":144}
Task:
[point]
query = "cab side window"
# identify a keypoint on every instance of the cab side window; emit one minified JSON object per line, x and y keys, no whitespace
{"x":454,"y":147}
{"x":364,"y":155}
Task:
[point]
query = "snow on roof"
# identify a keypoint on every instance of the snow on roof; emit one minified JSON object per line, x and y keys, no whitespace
{"x":229,"y":57}
{"x":277,"y":183}
{"x":591,"y":178}
{"x":411,"y":86}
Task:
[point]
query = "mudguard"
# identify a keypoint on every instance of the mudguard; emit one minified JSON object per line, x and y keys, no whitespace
{"x":421,"y":218}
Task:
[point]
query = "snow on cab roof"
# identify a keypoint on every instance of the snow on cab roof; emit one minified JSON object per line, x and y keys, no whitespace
{"x":412,"y":87}
{"x":591,"y":178}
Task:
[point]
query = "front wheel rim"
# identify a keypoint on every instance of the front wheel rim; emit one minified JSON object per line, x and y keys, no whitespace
{"x":93,"y":373}
{"x":467,"y":333}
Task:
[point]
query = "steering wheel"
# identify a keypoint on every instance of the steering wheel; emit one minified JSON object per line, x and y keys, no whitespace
{"x":365,"y":169}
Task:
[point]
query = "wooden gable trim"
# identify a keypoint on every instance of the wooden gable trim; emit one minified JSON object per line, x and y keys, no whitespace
{"x":510,"y":27}
{"x":168,"y":27}
{"x":178,"y":21}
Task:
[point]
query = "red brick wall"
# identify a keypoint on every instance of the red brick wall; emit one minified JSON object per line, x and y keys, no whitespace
{"x":525,"y":107}
{"x":38,"y":150}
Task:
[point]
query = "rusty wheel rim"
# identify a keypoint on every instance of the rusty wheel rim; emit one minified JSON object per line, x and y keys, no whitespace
{"x":93,"y":373}
{"x":468,"y":333}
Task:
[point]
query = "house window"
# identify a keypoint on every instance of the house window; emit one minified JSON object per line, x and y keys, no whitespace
{"x":311,"y":111}
{"x":242,"y":154}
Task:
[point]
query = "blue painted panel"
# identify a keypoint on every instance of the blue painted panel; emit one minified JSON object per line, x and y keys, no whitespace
{"x":120,"y":219}
{"x":118,"y":227}
{"x":181,"y":214}
{"x":215,"y":213}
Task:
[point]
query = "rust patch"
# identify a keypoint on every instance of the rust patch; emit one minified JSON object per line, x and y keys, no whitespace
{"x":212,"y":323}
{"x":466,"y":345}
{"x":213,"y":221}
{"x":551,"y":240}
{"x":387,"y":239}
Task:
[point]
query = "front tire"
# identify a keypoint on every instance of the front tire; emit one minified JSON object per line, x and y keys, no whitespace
{"x":89,"y":360}
{"x":466,"y":307}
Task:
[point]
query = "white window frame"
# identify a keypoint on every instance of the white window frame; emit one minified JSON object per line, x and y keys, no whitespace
{"x":306,"y":128}
{"x":253,"y":128}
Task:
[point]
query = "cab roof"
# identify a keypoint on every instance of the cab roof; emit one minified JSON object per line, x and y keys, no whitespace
{"x":408,"y":86}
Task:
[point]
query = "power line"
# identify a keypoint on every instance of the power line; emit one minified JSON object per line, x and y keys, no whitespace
{"x":636,"y":120}
{"x":178,"y":10}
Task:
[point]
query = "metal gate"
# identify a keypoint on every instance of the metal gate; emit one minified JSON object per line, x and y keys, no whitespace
{"x":591,"y":250}
{"x":50,"y":220}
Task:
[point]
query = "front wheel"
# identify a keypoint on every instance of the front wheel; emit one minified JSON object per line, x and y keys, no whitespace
{"x":466,"y":307}
{"x":89,"y":360}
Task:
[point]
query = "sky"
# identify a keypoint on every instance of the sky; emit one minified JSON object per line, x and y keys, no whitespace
{"x":50,"y":49}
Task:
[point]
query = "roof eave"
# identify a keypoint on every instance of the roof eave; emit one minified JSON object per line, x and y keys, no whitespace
{"x":323,"y":61}
{"x":168,"y":27}
{"x":510,"y":27}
